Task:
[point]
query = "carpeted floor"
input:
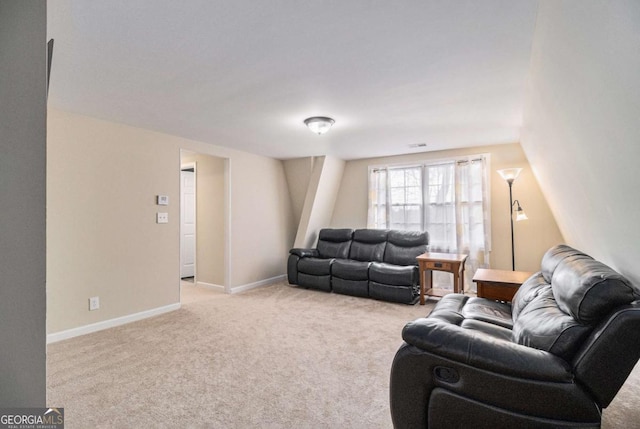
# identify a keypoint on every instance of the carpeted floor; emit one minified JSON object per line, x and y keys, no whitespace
{"x":274,"y":357}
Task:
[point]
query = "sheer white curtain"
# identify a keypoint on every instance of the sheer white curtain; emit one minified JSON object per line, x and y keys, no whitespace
{"x":456,"y":215}
{"x":452,"y":198}
{"x":472,"y":208}
{"x":377,"y":216}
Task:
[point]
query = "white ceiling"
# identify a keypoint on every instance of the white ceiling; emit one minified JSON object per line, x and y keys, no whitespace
{"x":245,"y":74}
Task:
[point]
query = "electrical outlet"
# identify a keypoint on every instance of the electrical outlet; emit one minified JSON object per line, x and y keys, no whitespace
{"x":94,"y":303}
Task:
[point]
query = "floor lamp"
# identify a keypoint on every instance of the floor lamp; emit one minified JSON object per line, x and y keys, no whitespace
{"x":510,"y":174}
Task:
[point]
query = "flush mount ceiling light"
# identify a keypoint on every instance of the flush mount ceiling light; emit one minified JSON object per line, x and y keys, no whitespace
{"x":319,"y":124}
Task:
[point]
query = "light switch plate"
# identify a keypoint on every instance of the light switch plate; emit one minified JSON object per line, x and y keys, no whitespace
{"x":163,"y":200}
{"x":162,"y":217}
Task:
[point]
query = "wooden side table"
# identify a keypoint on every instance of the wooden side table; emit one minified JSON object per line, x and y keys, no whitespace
{"x":449,"y":262}
{"x":499,"y":285}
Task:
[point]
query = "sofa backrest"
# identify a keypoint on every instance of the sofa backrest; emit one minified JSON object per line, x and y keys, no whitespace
{"x":404,"y":246}
{"x":368,"y":245}
{"x":334,"y":243}
{"x":557,"y":309}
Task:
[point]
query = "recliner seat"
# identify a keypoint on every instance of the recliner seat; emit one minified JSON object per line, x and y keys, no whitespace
{"x":397,"y":278}
{"x":313,"y":267}
{"x":553,"y":359}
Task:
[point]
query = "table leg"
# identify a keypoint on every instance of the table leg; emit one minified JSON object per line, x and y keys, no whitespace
{"x":456,"y":282}
{"x":421,"y":269}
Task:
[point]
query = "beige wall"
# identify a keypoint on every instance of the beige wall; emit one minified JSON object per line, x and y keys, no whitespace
{"x":581,"y":131}
{"x":210,"y":217}
{"x":532,"y":237}
{"x":298,"y":172}
{"x":102,"y":237}
{"x":23,"y":109}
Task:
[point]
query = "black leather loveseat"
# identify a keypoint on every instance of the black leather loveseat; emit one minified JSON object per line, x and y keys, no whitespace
{"x":371,"y":263}
{"x":553,"y":359}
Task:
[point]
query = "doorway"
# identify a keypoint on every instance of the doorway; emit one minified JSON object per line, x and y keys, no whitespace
{"x":188,"y":221}
{"x":204,"y":224}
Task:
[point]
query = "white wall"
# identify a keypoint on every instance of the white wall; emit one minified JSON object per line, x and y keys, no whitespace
{"x":22,"y":192}
{"x":323,"y":188}
{"x":532,"y":237}
{"x":581,"y":131}
{"x":102,"y":237}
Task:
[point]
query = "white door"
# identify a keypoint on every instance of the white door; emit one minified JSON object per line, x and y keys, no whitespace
{"x":187,"y":223}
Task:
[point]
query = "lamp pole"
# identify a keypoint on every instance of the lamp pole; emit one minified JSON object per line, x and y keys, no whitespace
{"x":513,"y":256}
{"x":510,"y":174}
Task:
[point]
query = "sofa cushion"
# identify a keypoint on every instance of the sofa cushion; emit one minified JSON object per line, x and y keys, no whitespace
{"x":350,"y":287}
{"x":368,"y":245}
{"x":315,"y":282}
{"x":589,"y":290}
{"x":554,"y":256}
{"x":495,"y":331}
{"x":315,"y":266}
{"x":404,"y":246}
{"x":385,"y":292}
{"x":477,"y":314}
{"x":395,"y":275}
{"x":334,"y":243}
{"x":449,"y":308}
{"x":527,"y":293}
{"x":543,"y":325}
{"x":488,"y":311}
{"x":350,"y":270}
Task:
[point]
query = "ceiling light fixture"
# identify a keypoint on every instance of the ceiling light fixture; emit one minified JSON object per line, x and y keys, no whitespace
{"x":319,"y":124}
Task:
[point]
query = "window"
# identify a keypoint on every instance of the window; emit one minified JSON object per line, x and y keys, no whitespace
{"x":448,"y":199}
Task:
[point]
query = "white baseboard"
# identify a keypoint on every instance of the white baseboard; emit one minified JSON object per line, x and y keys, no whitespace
{"x":111,"y":323}
{"x":210,"y":286}
{"x":260,"y":283}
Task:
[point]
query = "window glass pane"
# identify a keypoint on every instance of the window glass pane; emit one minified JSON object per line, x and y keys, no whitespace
{"x":414,"y":195}
{"x":397,"y":195}
{"x":413,"y":177}
{"x":397,"y":215}
{"x":396,"y":177}
{"x":414,"y":215}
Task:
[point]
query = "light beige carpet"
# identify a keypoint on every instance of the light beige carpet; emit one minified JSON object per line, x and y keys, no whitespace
{"x":275,"y":357}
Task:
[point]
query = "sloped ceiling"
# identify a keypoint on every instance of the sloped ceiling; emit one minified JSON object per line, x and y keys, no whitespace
{"x":245,"y":74}
{"x":581,"y":132}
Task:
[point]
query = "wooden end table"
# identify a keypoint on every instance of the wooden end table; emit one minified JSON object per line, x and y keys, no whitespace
{"x":499,"y":285}
{"x":449,"y":262}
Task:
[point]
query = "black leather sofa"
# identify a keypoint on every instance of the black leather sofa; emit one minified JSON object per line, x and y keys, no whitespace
{"x":554,"y":359}
{"x":371,"y":263}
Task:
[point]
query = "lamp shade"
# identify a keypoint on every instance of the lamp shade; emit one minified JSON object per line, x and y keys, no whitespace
{"x":319,"y":124}
{"x":509,"y":174}
{"x":520,"y":215}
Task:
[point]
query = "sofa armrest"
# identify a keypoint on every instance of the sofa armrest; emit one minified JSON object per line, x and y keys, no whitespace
{"x":304,"y":253}
{"x":485,"y":352}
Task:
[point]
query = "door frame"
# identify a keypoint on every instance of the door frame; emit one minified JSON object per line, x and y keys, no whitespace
{"x":189,"y":166}
{"x":227,"y":213}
